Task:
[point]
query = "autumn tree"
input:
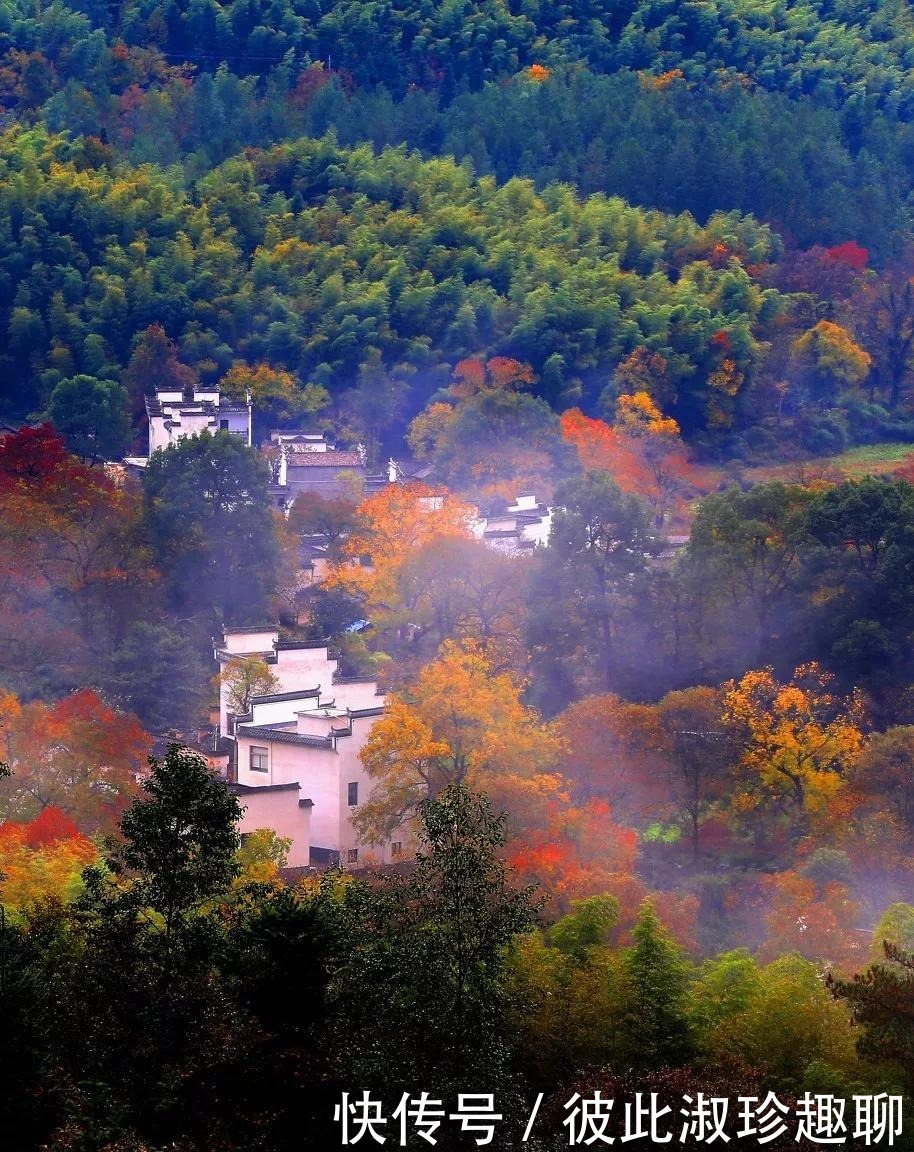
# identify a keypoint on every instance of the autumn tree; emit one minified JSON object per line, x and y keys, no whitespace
{"x":391,"y":525}
{"x":458,"y":723}
{"x":154,"y":365}
{"x":243,"y":677}
{"x":427,"y":432}
{"x":602,"y":447}
{"x":657,"y":438}
{"x":33,"y":453}
{"x":813,"y":916}
{"x":615,"y":751}
{"x":76,"y":755}
{"x":645,"y":372}
{"x":333,"y":516}
{"x":833,"y":362}
{"x":476,"y":375}
{"x":800,"y":741}
{"x":42,"y":859}
{"x":642,"y":451}
{"x":276,"y":396}
{"x":74,"y":569}
{"x":577,"y":852}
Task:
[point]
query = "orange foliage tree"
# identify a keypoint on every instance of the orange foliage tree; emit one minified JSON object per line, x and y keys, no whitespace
{"x":459,"y":722}
{"x":642,"y":451}
{"x":614,"y":754}
{"x":475,"y":375}
{"x":580,"y":852}
{"x":42,"y":859}
{"x":656,"y":437}
{"x":816,"y":920}
{"x":77,"y":755}
{"x":392,"y":525}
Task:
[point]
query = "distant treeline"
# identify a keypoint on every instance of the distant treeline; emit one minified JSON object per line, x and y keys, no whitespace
{"x":798,"y":113}
{"x":349,"y":268}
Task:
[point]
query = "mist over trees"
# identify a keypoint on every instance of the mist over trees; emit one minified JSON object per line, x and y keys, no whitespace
{"x":615,"y":306}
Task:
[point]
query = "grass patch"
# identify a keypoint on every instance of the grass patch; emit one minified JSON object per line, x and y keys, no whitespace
{"x":873,"y":458}
{"x":866,"y":459}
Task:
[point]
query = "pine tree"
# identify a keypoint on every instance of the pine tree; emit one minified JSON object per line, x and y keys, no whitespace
{"x":655,"y":1028}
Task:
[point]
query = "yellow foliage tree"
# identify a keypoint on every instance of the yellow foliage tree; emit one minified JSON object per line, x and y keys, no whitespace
{"x":428,"y":428}
{"x":832,"y":357}
{"x":271,"y":387}
{"x":637,"y":415}
{"x":244,"y":677}
{"x":42,"y":859}
{"x":261,"y":859}
{"x":800,"y":740}
{"x":459,"y":723}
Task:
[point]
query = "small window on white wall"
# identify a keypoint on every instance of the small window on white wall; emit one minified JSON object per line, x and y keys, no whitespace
{"x":352,"y":856}
{"x":352,"y":791}
{"x":260,"y":759}
{"x":396,"y":849}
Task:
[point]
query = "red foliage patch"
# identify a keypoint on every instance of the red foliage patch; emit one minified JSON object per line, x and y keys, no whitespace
{"x":850,"y":253}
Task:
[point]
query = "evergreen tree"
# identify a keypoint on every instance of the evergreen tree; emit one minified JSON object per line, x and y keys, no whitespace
{"x":92,"y":415}
{"x":422,"y":1001}
{"x":655,"y":1026}
{"x":882,"y":999}
{"x":211,"y":528}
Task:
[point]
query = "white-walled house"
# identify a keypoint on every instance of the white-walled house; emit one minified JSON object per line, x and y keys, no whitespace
{"x":283,"y":809}
{"x":297,"y":766}
{"x":173,"y":415}
{"x":517,"y":528}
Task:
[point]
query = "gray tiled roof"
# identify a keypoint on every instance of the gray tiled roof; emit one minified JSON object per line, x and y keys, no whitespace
{"x":278,"y":736}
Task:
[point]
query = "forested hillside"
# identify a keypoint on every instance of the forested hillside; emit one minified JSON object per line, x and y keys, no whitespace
{"x":601,"y":313}
{"x":338,"y":265}
{"x":793,"y":116}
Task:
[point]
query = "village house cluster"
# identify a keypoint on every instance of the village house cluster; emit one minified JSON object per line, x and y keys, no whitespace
{"x":294,"y":761}
{"x":293,"y":758}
